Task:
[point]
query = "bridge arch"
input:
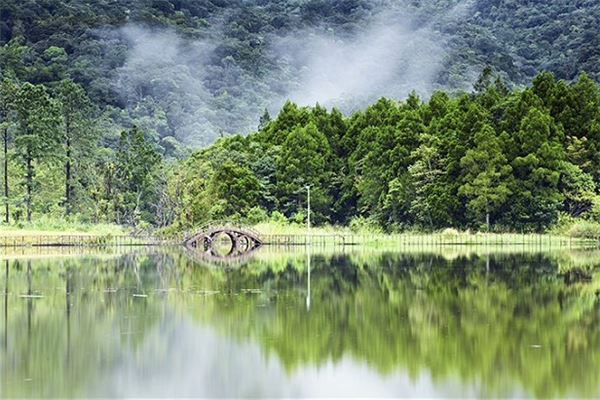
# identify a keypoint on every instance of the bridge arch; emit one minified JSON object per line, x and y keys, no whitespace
{"x":243,"y":240}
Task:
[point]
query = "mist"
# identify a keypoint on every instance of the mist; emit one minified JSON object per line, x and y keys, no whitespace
{"x":162,"y":83}
{"x":178,"y":87}
{"x":389,"y":58}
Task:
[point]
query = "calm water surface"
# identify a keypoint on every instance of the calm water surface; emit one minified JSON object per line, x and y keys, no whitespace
{"x":157,"y":323}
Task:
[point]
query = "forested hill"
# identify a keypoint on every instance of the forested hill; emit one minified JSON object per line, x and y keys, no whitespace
{"x":189,"y":71}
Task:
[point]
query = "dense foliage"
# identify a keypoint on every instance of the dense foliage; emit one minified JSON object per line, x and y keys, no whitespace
{"x":188,"y":71}
{"x":512,"y":160}
{"x":516,"y":160}
{"x":57,"y":162}
{"x":99,"y":99}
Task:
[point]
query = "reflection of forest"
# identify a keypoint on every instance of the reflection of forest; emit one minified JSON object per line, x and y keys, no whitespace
{"x":495,"y":321}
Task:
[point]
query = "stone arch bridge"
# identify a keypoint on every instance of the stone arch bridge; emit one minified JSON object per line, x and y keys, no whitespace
{"x":243,"y":240}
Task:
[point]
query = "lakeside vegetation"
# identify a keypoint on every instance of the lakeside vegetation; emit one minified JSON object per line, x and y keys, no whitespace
{"x":321,"y":238}
{"x":46,"y":225}
{"x":490,"y":160}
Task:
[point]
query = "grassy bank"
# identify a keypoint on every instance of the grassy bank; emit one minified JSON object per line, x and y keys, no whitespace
{"x":577,"y":235}
{"x":47,"y":226}
{"x":47,"y":232}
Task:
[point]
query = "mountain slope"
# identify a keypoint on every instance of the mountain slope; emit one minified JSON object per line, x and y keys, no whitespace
{"x":189,"y":71}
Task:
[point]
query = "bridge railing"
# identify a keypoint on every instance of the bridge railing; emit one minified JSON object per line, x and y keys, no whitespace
{"x":220,"y":224}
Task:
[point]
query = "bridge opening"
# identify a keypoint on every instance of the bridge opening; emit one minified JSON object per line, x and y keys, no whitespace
{"x":222,"y":244}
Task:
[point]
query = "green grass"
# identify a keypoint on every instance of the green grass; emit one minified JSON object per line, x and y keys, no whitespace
{"x":275,"y":232}
{"x":272,"y":228}
{"x":54,"y":227}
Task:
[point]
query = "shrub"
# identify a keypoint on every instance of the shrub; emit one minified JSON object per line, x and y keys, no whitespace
{"x":362,"y":224}
{"x":298,"y":218}
{"x":563,"y":223}
{"x":450,"y":233}
{"x":278,"y":218}
{"x":256,"y":215}
{"x":594,"y":213}
{"x":585,"y":229}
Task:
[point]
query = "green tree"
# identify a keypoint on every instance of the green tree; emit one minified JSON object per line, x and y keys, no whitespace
{"x":290,"y":117}
{"x":536,"y":198}
{"x":485,"y":80}
{"x":7,"y":92}
{"x":234,"y":190}
{"x":36,"y":136}
{"x":578,"y":188}
{"x":391,"y":150}
{"x":264,"y":120}
{"x":78,"y":134}
{"x":137,"y":162}
{"x":303,"y":161}
{"x":487,"y":175}
{"x":429,"y":206}
{"x":436,"y":167}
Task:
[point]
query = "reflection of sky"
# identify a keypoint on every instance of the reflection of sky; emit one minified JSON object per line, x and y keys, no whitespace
{"x":182,"y":359}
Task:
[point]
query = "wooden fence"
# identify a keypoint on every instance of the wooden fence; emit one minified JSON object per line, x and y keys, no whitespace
{"x":84,"y":240}
{"x":431,"y":240}
{"x":396,"y":240}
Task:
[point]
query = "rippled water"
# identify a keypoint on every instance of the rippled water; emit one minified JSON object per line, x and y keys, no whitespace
{"x":159,"y":323}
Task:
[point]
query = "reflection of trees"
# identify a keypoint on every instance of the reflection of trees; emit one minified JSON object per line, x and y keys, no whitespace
{"x":478,"y":319}
{"x":54,"y":343}
{"x":451,"y":318}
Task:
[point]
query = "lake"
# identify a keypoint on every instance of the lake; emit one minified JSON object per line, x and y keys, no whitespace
{"x":150,"y":322}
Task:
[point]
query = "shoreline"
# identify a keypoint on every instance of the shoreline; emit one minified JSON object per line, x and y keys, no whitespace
{"x":295,"y":238}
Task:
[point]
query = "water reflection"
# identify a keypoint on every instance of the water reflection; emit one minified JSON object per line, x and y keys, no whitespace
{"x":369,"y":324}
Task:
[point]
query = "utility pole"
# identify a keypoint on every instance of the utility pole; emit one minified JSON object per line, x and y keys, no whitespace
{"x":308,"y":246}
{"x":308,"y":213}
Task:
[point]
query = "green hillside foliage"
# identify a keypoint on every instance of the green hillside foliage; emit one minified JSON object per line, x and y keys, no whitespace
{"x":190,"y":71}
{"x":109,"y":112}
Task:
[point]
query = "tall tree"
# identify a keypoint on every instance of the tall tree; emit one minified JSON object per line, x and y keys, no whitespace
{"x":36,"y":138}
{"x":578,"y":188}
{"x":303,"y":161}
{"x":234,"y":189}
{"x":487,"y":175}
{"x":7,"y":92}
{"x":431,"y":196}
{"x":78,"y":134}
{"x":137,"y":161}
{"x":538,"y":165}
{"x":264,"y":120}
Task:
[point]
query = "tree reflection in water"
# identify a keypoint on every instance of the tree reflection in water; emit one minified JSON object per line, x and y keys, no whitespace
{"x":490,"y":324}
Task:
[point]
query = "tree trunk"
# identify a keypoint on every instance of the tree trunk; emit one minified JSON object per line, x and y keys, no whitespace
{"x":28,"y":198}
{"x":6,"y":210}
{"x":68,"y":186}
{"x":487,"y":220}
